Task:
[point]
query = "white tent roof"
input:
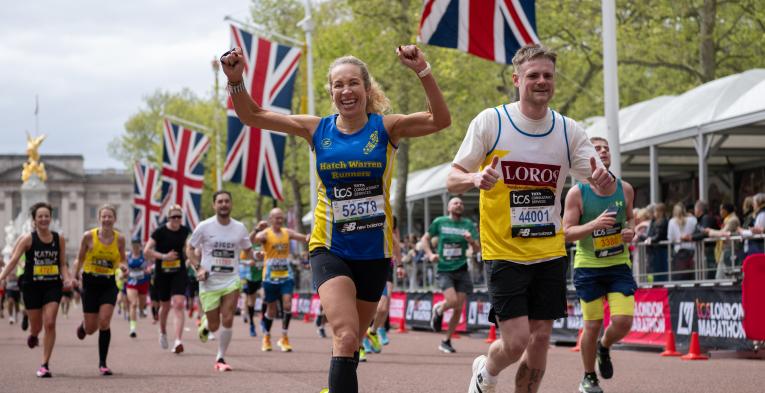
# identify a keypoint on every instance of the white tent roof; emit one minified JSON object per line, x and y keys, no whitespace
{"x":723,"y":104}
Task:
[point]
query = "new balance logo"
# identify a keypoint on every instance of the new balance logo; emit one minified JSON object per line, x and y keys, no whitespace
{"x":349,"y":226}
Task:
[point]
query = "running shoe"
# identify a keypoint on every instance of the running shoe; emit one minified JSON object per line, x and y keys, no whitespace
{"x":446,"y":346}
{"x":25,"y":323}
{"x":203,"y":333}
{"x":362,"y":355}
{"x":253,"y":332}
{"x":211,"y":336}
{"x":366,"y":345}
{"x":32,"y":341}
{"x":132,"y":334}
{"x":81,"y":332}
{"x":178,"y":348}
{"x":383,"y":334}
{"x":325,"y":390}
{"x":374,"y":341}
{"x":163,"y":341}
{"x":321,"y":332}
{"x":105,"y":371}
{"x":605,"y":366}
{"x":43,"y":372}
{"x":11,"y":320}
{"x":590,"y":384}
{"x":221,"y":366}
{"x":477,"y":384}
{"x":436,"y":317}
{"x":284,"y":344}
{"x":266,"y":347}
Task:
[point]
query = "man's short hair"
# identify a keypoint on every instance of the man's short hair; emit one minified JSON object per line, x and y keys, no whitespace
{"x":531,"y":52}
{"x":219,"y":192}
{"x":598,"y":138}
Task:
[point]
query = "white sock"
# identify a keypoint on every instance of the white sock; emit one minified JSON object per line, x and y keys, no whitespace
{"x":224,"y":338}
{"x":490,"y":379}
{"x":177,"y":342}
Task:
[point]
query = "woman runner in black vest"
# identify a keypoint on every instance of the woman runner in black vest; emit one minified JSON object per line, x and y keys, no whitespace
{"x":45,"y":274}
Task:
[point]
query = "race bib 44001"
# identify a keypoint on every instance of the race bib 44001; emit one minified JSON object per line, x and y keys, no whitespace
{"x":358,"y":206}
{"x":532,"y":213}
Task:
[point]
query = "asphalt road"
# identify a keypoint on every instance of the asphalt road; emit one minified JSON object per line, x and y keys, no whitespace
{"x":411,"y":363}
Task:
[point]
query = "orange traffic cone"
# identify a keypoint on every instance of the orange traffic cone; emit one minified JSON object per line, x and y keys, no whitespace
{"x":492,"y":334}
{"x":669,"y":346}
{"x":694,"y":352}
{"x":578,"y":346}
{"x":401,"y":326}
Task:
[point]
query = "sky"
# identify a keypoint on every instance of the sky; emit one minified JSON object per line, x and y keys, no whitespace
{"x":92,"y":62}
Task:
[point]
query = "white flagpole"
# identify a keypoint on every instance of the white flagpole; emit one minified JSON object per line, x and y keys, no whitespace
{"x":308,"y":25}
{"x":611,"y":84}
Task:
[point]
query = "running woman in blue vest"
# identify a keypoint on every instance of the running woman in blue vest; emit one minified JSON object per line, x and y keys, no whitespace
{"x":45,"y":275}
{"x":600,"y":221}
{"x":352,"y":238}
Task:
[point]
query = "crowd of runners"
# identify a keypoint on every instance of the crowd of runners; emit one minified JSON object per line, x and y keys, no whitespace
{"x":518,"y":155}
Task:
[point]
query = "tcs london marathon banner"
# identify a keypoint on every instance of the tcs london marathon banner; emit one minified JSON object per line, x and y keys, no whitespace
{"x":715,"y":313}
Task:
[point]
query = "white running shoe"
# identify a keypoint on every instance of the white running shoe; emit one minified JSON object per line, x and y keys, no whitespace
{"x":477,"y":384}
{"x":163,"y":341}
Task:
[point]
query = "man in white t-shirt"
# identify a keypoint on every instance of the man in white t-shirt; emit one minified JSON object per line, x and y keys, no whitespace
{"x":519,"y":156}
{"x":219,"y":241}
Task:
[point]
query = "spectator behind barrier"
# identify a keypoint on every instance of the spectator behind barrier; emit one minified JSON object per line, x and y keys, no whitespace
{"x":680,"y":228}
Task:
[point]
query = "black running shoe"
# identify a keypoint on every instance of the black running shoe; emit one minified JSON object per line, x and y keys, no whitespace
{"x":436,"y":317}
{"x":32,"y":341}
{"x":605,"y":366}
{"x":25,"y":323}
{"x":590,"y":384}
{"x":446,"y":347}
{"x":81,"y":332}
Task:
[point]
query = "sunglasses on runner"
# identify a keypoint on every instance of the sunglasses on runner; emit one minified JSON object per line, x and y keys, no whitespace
{"x":175,"y":217}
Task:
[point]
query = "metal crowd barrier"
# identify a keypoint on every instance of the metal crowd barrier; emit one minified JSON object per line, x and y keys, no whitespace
{"x":653,"y":264}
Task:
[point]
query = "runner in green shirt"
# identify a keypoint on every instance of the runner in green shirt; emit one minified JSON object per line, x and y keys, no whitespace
{"x":454,"y":234}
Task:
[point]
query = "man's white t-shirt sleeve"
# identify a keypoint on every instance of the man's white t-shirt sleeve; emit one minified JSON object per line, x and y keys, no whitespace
{"x":244,"y":241}
{"x":196,"y":237}
{"x":581,"y":150}
{"x":480,"y":138}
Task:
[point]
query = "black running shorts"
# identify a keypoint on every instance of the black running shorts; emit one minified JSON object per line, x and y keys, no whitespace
{"x":36,"y":295}
{"x":250,"y":287}
{"x":97,"y":292}
{"x":168,"y":285}
{"x":535,"y":290}
{"x":369,"y":276}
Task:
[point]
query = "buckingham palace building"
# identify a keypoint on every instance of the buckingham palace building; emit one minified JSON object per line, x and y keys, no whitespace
{"x":74,"y":192}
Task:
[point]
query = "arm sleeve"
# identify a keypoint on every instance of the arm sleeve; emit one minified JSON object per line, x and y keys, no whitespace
{"x":433,"y":228}
{"x":196,"y":237}
{"x":479,"y":140}
{"x":673,"y":231}
{"x":581,"y":150}
{"x":244,"y":242}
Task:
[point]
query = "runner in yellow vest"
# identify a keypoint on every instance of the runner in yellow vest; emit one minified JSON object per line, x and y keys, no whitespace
{"x":278,"y":276}
{"x":102,"y":252}
{"x":519,"y":155}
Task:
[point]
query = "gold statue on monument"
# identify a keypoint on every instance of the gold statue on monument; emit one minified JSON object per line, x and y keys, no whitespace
{"x":33,"y":164}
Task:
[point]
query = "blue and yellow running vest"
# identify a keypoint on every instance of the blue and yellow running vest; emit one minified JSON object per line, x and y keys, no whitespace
{"x":353,"y":217}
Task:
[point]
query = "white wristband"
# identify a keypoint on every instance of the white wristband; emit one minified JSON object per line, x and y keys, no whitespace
{"x":425,"y":72}
{"x":237,"y":88}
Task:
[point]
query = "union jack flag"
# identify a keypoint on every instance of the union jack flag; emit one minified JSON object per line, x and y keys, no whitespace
{"x":255,"y":157}
{"x":491,"y":29}
{"x":146,"y":207}
{"x":183,"y":170}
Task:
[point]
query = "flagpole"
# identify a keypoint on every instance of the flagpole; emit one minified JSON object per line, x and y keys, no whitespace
{"x":186,"y":122}
{"x":254,"y":27}
{"x":611,"y":84}
{"x":308,"y":26}
{"x":218,"y":180}
{"x":37,"y":115}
